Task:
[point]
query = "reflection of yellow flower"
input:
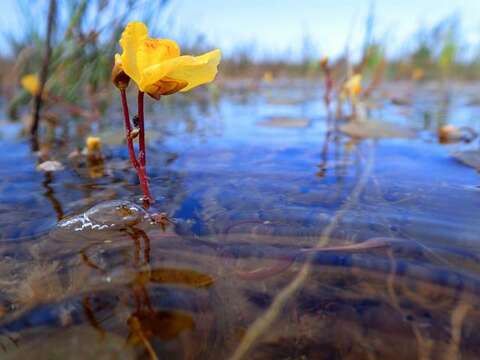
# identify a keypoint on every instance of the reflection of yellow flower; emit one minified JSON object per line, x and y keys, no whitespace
{"x":156,"y":65}
{"x":353,"y":86}
{"x":31,"y":83}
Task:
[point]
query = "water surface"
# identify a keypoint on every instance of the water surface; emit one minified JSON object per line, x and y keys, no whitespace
{"x":251,"y":180}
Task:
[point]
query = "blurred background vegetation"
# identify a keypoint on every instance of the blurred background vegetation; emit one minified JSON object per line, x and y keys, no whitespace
{"x":86,"y":33}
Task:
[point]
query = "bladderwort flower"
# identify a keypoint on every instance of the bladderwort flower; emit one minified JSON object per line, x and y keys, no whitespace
{"x":31,"y":84}
{"x":158,"y":69}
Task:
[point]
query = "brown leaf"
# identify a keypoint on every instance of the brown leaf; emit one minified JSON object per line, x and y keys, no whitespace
{"x":186,"y":277}
{"x":376,"y":130}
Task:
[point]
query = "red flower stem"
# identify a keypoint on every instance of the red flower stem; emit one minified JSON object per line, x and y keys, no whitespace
{"x":141,"y":125}
{"x":128,"y":130}
{"x":139,"y":166}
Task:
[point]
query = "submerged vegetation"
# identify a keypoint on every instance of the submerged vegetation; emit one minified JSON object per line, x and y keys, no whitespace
{"x":305,"y":208}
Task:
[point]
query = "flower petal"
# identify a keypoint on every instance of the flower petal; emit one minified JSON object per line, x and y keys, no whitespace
{"x":133,"y":37}
{"x":165,"y":86}
{"x":197,"y":70}
{"x":155,"y":51}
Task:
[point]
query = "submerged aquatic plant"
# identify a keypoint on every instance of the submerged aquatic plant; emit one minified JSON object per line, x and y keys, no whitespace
{"x":158,"y":69}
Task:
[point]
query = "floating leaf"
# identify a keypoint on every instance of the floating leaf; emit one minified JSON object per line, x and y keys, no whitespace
{"x":164,"y":325}
{"x":376,"y":130}
{"x":449,"y":134}
{"x":186,"y":277}
{"x":50,"y":165}
{"x":285,"y":122}
{"x":468,"y":157}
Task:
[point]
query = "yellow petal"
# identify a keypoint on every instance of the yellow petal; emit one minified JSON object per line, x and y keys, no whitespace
{"x":155,"y":51}
{"x":132,"y":39}
{"x":197,"y":70}
{"x":31,"y":83}
{"x":165,"y":86}
{"x":192,"y":70}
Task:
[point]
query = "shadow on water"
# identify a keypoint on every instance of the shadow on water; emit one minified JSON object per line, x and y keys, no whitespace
{"x":286,"y":241}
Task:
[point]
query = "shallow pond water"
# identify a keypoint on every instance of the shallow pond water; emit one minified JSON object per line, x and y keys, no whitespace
{"x":286,"y":243}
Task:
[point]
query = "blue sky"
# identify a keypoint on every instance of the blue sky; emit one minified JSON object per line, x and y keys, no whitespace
{"x":276,"y":27}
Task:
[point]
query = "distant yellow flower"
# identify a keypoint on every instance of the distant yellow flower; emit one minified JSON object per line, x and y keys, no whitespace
{"x":417,"y":74}
{"x":94,"y":144}
{"x":353,"y":87}
{"x":156,"y":65}
{"x":31,"y":83}
{"x":267,"y":76}
{"x":324,"y":62}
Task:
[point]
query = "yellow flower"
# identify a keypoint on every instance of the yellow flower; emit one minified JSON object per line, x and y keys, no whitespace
{"x":267,"y":77}
{"x":31,"y":83}
{"x":156,"y":65}
{"x":324,"y":62}
{"x":94,"y":144}
{"x":353,"y":86}
{"x":417,"y":74}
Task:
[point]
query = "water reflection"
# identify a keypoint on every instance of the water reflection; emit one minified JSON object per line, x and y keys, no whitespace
{"x":50,"y":195}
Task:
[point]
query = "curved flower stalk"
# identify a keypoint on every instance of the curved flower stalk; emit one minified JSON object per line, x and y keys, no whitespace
{"x":158,"y":69}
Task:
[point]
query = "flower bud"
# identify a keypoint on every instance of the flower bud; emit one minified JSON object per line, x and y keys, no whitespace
{"x":119,"y":78}
{"x":324,"y":62}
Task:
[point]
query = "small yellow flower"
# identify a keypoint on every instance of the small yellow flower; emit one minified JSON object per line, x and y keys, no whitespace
{"x":267,"y":77}
{"x":156,"y":65}
{"x":324,"y":62}
{"x":353,"y":87}
{"x":31,"y":83}
{"x":94,"y":144}
{"x":417,"y":74}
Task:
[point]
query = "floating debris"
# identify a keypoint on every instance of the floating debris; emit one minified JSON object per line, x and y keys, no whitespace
{"x":285,"y":122}
{"x":449,"y":134}
{"x":108,"y":215}
{"x":376,"y":130}
{"x":50,"y":166}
